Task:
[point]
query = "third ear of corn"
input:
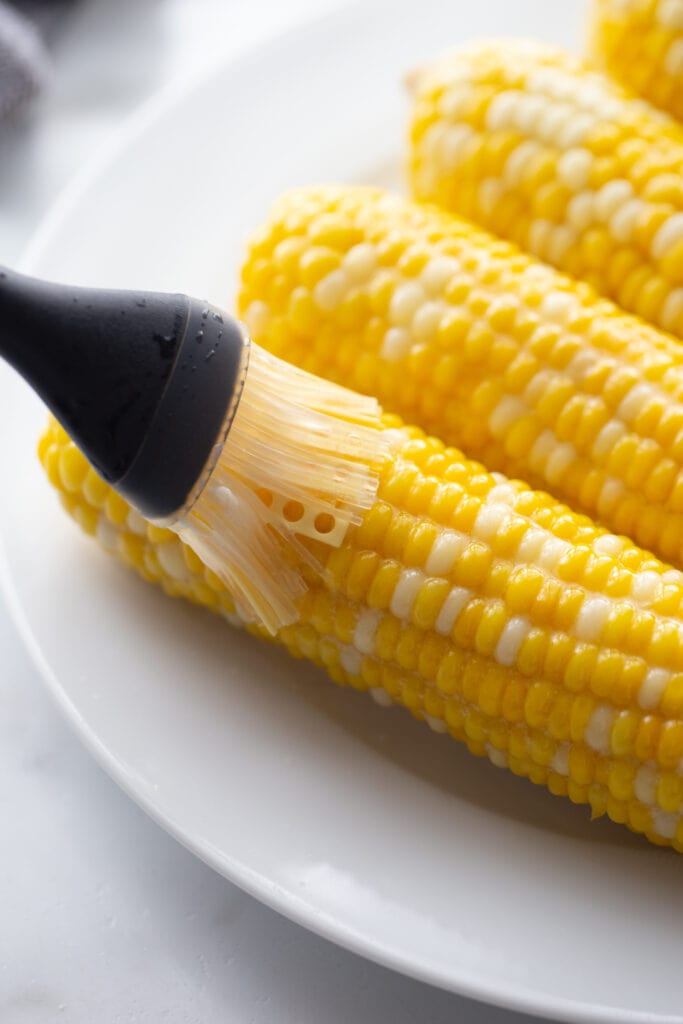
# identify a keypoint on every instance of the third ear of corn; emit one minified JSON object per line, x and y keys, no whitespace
{"x":530,"y":143}
{"x":486,"y":609}
{"x":640,"y":43}
{"x":519,"y":366}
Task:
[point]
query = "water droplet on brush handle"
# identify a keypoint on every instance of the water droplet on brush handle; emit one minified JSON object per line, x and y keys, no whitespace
{"x":166,"y":343}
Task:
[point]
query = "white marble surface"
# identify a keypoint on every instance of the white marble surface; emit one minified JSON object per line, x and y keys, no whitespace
{"x":104,"y":917}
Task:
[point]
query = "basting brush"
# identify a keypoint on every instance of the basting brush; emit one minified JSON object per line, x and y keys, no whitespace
{"x":238,"y":452}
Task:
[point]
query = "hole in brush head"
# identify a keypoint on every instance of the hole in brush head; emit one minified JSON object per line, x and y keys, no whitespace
{"x":265,"y":495}
{"x":293,"y":511}
{"x":324,"y":523}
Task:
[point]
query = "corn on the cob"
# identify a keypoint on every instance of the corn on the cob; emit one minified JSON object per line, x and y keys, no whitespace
{"x":520,"y":367}
{"x":534,"y":146}
{"x":640,"y":43}
{"x":486,"y":609}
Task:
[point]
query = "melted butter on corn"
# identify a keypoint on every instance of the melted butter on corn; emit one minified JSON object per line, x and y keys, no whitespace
{"x":514,"y":363}
{"x":488,"y":610}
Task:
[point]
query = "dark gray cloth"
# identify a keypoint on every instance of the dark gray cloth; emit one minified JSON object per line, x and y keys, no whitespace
{"x":24,"y":61}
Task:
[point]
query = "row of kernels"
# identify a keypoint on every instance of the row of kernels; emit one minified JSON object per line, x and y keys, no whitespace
{"x":489,"y":626}
{"x":578,"y":563}
{"x":487,"y":689}
{"x":584,"y":767}
{"x":492,"y":626}
{"x":436,"y":171}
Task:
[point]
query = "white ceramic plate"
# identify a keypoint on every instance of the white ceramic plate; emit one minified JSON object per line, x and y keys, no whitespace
{"x":355,"y":821}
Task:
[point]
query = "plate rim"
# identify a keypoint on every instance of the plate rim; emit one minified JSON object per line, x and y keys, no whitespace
{"x":518,"y":998}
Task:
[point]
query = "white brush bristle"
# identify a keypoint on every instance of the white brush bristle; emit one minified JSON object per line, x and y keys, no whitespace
{"x":301,"y":459}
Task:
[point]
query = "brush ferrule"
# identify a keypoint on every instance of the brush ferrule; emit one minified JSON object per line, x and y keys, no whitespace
{"x":193,"y":417}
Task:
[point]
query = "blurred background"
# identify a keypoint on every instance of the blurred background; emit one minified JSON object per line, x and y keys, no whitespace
{"x":71,"y":70}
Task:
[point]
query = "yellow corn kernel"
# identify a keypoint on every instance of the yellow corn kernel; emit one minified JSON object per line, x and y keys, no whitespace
{"x":543,"y":381}
{"x":73,"y":468}
{"x":670,"y":793}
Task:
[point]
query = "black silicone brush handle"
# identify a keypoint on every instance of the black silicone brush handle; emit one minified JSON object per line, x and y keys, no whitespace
{"x":100,"y":360}
{"x":140,"y":380}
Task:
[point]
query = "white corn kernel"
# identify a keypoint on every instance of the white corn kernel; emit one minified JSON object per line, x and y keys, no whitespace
{"x":612,"y":196}
{"x":405,"y":592}
{"x":171,"y":560}
{"x":592,"y":618}
{"x":669,"y":14}
{"x":496,"y":757}
{"x":490,"y":520}
{"x":645,"y":586}
{"x":645,"y":784}
{"x":668,"y":235}
{"x":508,"y":411}
{"x":559,"y":307}
{"x":380,"y":696}
{"x":665,"y":824}
{"x":559,"y":461}
{"x":350,"y":659}
{"x":573,"y":168}
{"x":672,"y":310}
{"x":511,"y":639}
{"x":427,"y":319}
{"x":444,"y":553}
{"x":560,"y":761}
{"x":652,"y":688}
{"x":623,"y":221}
{"x":608,"y":544}
{"x":455,"y":601}
{"x":366,"y":630}
{"x":329,"y":292}
{"x":599,"y":729}
{"x":360,"y":261}
{"x":581,"y":212}
{"x":673,"y":61}
{"x":396,"y":344}
{"x":438,"y":273}
{"x":405,"y":302}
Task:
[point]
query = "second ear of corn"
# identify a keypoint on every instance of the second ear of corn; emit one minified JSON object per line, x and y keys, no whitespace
{"x":640,"y":43}
{"x":488,"y":610}
{"x":519,"y":366}
{"x":535,"y":146}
